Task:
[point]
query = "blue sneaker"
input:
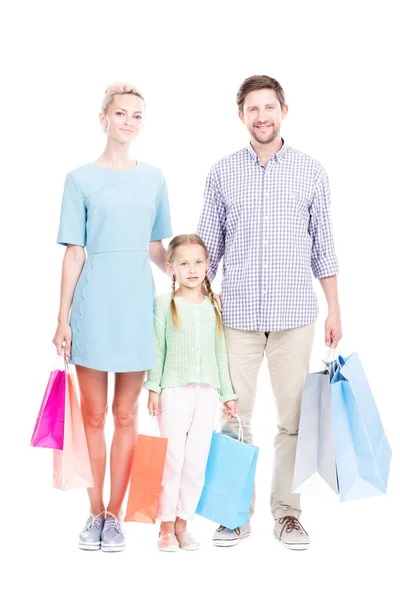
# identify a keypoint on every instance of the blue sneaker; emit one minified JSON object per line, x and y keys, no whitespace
{"x":112,"y":537}
{"x":90,"y":536}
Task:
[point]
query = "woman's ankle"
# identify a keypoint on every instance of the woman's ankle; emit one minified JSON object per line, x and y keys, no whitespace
{"x":96,"y":510}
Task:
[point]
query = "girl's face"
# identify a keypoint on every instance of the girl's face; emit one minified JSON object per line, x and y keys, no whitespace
{"x":124,"y":118}
{"x":190,"y":265}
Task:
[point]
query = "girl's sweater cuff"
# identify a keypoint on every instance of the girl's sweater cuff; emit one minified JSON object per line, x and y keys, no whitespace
{"x":153,"y":387}
{"x":227,"y":397}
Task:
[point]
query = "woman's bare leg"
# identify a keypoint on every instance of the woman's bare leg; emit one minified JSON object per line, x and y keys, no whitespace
{"x":125,"y":410}
{"x":93,"y":387}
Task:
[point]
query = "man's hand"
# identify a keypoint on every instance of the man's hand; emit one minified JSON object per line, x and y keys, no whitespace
{"x":218,"y":301}
{"x":217,"y":297}
{"x":333,"y":329}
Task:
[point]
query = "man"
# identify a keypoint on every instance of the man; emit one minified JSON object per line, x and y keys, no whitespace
{"x":266,"y":211}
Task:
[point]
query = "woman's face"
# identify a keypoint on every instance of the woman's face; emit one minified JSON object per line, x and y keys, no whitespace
{"x":124,"y":118}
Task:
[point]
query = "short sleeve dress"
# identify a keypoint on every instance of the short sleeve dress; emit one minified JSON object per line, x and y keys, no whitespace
{"x":114,"y":214}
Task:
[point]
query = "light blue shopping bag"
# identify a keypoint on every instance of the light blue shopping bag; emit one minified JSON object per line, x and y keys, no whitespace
{"x":362,"y":451}
{"x":229,"y":481}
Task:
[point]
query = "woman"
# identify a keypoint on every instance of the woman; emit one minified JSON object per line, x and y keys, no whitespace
{"x":118,"y":209}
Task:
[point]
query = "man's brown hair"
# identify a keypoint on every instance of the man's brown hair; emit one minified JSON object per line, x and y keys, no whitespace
{"x":259,"y":82}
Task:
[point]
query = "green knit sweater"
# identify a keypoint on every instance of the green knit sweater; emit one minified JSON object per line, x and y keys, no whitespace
{"x":195,"y":352}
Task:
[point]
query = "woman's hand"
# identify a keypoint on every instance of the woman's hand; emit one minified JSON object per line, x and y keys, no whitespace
{"x":230,"y":409}
{"x":154,"y":404}
{"x":63,"y":334}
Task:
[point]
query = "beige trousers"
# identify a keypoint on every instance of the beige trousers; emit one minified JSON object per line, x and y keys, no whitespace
{"x":288,"y":353}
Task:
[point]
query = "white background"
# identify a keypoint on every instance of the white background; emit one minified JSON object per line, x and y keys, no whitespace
{"x":336,"y":62}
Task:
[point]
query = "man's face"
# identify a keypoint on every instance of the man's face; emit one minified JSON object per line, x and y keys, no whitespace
{"x":263,"y":115}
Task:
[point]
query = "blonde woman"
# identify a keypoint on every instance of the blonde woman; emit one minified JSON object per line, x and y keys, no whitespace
{"x":117,"y":208}
{"x":190,"y":375}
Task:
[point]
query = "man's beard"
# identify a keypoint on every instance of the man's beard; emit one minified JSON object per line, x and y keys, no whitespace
{"x":273,"y":135}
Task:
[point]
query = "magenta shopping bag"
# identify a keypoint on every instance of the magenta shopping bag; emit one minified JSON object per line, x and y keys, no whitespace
{"x":49,"y":428}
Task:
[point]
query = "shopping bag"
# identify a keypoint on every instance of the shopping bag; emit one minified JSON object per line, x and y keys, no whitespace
{"x":315,"y":465}
{"x":71,"y":465}
{"x":229,"y":481}
{"x":363,"y":453}
{"x":49,"y":427}
{"x":146,"y":479}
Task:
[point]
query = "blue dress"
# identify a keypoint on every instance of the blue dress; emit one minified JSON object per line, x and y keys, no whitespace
{"x":115,"y":214}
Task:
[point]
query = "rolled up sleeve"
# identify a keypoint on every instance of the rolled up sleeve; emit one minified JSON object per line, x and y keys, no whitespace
{"x":323,"y":257}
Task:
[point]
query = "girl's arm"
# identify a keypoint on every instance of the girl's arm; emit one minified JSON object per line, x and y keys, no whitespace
{"x":74,"y":259}
{"x":226,"y":390}
{"x":154,"y":375}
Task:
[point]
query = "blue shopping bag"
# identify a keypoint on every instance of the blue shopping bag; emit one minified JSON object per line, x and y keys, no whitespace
{"x":362,"y":451}
{"x":229,"y":481}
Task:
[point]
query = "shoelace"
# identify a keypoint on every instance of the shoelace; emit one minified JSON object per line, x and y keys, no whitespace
{"x":291,"y":524}
{"x":92,"y":521}
{"x":222,"y":527}
{"x":114,"y":522}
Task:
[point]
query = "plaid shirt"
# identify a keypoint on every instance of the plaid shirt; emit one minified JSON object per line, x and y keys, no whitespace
{"x":272,"y":225}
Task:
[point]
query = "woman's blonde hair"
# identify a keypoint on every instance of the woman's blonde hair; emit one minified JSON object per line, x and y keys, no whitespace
{"x":185,"y":240}
{"x":116,"y":89}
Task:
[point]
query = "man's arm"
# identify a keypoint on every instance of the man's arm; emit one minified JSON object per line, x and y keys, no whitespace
{"x":211,"y":227}
{"x":333,"y":325}
{"x":324,"y":263}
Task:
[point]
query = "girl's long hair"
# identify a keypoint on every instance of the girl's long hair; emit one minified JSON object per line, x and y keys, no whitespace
{"x":185,"y":240}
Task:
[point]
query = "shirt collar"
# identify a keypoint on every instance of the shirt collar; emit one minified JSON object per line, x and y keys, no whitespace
{"x":276,"y":157}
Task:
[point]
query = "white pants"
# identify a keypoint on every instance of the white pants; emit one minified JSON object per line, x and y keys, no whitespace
{"x":186,"y":419}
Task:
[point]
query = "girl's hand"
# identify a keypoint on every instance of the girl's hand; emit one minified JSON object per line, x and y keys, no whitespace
{"x":63,"y":334}
{"x":230,"y":409}
{"x":154,"y":404}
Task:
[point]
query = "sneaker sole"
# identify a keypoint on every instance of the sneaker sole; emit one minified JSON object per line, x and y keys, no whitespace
{"x":167,"y":549}
{"x":228,"y":543}
{"x":112,"y":548}
{"x":292,"y":546}
{"x":83,"y":546}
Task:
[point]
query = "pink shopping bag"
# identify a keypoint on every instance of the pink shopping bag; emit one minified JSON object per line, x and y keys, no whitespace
{"x":49,"y":427}
{"x":71,"y":465}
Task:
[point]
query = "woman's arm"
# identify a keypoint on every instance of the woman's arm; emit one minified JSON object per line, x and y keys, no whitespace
{"x":158,"y":255}
{"x":74,"y":259}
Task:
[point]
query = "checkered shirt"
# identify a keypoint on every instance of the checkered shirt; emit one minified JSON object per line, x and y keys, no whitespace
{"x":272,"y":226}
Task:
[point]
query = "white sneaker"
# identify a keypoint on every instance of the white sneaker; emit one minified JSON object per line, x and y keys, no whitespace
{"x":291,"y":534}
{"x":230,"y":537}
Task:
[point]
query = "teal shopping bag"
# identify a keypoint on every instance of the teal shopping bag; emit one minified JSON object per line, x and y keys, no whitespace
{"x":229,"y":481}
{"x":362,"y":451}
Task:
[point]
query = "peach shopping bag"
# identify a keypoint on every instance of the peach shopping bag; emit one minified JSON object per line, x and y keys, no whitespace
{"x":71,"y":465}
{"x":146,"y":478}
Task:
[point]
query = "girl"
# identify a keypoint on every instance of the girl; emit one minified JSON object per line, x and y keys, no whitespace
{"x":118,"y":208}
{"x":191,"y":371}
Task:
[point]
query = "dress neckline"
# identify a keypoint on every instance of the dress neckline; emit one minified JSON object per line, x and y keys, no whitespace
{"x":112,"y":171}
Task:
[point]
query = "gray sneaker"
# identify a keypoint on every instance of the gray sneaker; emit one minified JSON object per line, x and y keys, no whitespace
{"x":291,"y":533}
{"x":112,"y":537}
{"x":230,"y":537}
{"x":90,"y":536}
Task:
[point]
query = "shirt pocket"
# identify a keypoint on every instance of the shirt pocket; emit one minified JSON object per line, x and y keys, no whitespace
{"x":296,"y":208}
